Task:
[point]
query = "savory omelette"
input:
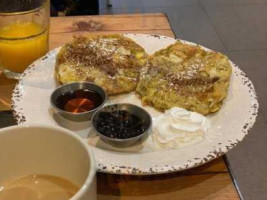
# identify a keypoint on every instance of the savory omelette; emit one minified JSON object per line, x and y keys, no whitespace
{"x":111,"y":61}
{"x":185,"y":76}
{"x":180,"y":75}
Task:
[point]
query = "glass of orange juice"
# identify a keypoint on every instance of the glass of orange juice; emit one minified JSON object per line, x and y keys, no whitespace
{"x":24,"y":26}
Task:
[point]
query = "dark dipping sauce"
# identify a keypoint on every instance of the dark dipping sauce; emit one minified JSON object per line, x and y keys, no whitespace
{"x":79,"y":101}
{"x":119,"y":124}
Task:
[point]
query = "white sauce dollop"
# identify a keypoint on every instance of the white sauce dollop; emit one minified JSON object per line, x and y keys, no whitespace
{"x":177,"y":128}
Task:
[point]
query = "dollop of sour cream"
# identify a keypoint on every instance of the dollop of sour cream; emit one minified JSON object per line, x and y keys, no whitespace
{"x":177,"y":128}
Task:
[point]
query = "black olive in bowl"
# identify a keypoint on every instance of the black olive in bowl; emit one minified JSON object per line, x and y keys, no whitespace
{"x":122,"y":125}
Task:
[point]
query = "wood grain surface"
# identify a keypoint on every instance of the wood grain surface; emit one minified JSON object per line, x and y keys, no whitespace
{"x":166,"y":187}
{"x":210,"y":181}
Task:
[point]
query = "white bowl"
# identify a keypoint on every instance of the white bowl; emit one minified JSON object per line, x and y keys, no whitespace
{"x":49,"y":150}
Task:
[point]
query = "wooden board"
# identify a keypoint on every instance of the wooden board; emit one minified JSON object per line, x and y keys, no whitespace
{"x":63,"y":28}
{"x":110,"y":23}
{"x":210,"y":181}
{"x":215,"y":186}
{"x":6,"y":88}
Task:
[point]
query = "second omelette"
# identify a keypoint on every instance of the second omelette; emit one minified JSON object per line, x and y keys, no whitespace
{"x":111,"y":61}
{"x":185,"y":76}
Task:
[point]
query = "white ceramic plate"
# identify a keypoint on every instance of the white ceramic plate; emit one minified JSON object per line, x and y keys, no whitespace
{"x":229,"y":125}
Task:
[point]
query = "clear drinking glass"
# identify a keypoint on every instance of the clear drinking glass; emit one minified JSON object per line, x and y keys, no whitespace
{"x":24,"y":27}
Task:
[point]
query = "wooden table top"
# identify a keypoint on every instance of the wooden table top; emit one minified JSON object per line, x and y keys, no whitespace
{"x":210,"y":181}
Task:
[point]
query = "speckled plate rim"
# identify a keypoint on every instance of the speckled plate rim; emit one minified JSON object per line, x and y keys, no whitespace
{"x":218,"y":149}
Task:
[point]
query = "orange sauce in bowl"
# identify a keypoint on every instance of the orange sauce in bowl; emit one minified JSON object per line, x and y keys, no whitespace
{"x":79,"y":101}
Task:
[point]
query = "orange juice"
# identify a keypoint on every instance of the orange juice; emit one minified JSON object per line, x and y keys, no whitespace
{"x":20,"y":44}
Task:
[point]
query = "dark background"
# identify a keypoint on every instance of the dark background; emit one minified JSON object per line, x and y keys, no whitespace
{"x":74,"y":7}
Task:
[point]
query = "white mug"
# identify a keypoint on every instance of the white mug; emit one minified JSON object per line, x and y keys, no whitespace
{"x":40,"y":149}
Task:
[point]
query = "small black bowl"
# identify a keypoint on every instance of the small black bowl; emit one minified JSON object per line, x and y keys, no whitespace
{"x":132,"y":109}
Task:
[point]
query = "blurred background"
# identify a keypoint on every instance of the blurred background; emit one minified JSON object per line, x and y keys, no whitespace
{"x":74,"y":7}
